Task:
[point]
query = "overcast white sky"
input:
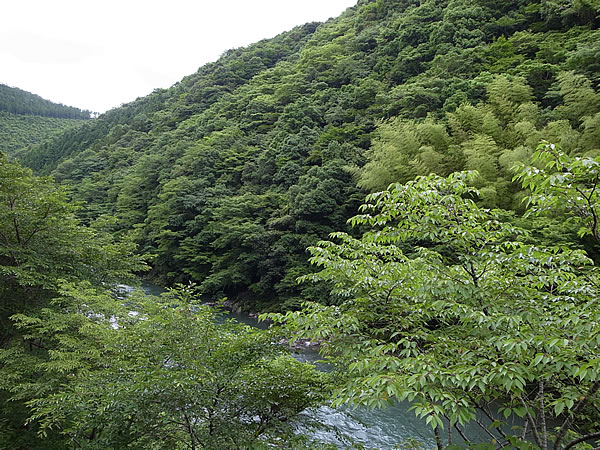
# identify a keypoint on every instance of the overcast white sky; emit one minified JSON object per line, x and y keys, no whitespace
{"x":97,"y":55}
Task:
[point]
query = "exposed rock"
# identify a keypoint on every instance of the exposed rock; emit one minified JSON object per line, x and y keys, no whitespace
{"x":301,"y":344}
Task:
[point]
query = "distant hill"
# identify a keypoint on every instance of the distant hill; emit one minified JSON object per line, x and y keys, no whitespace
{"x":27,"y":119}
{"x":17,"y":101}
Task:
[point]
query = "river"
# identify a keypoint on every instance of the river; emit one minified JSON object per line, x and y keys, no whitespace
{"x":388,"y":428}
{"x":373,"y":428}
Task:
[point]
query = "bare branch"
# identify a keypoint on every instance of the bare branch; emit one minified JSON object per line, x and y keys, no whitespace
{"x":531,"y":422}
{"x":582,"y":439}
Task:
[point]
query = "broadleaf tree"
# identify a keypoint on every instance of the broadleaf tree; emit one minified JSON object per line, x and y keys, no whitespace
{"x":443,"y":304}
{"x":44,"y":252}
{"x":173,"y":373}
{"x":83,"y":367}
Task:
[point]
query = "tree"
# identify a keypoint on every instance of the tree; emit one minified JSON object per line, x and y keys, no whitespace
{"x":81,"y":367}
{"x":44,"y":250}
{"x":43,"y":245}
{"x":564,"y":184}
{"x":172,"y":374}
{"x":465,"y":318}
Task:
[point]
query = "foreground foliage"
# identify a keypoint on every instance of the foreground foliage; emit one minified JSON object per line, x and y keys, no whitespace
{"x":173,"y":373}
{"x":470,"y":324}
{"x":44,"y":246}
{"x":44,"y":251}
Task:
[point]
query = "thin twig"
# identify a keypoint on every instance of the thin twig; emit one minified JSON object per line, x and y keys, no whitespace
{"x":531,"y":422}
{"x":543,"y":417}
{"x":565,"y":426}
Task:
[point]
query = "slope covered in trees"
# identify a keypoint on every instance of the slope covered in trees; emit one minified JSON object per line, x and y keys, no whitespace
{"x":17,"y":101}
{"x":27,"y":119}
{"x":20,"y":131}
{"x":441,"y":293}
{"x":80,"y":369}
{"x":229,"y":175}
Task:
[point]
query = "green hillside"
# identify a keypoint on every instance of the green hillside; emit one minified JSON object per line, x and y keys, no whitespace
{"x":27,"y":119}
{"x":413,"y":185}
{"x":229,"y":175}
{"x":17,"y":101}
{"x":19,"y":131}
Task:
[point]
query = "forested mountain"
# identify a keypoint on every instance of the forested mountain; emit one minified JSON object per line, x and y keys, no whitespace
{"x":19,"y":131}
{"x":27,"y":119}
{"x":17,"y":101}
{"x":450,"y":287}
{"x":226,"y":177}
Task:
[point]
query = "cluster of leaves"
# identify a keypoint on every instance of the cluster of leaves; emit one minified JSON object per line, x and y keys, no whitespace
{"x":17,"y":101}
{"x":43,"y":248}
{"x":472,"y":324}
{"x":227,"y":176}
{"x":42,"y":244}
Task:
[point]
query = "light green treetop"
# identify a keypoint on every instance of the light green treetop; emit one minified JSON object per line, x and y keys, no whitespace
{"x":470,"y":318}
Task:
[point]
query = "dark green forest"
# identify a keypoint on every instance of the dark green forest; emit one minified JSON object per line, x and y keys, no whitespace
{"x":17,"y":101}
{"x":20,"y":131}
{"x":27,"y":119}
{"x":466,"y":279}
{"x":228,"y":176}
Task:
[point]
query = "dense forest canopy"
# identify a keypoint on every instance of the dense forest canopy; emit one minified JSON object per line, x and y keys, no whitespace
{"x":20,"y":131}
{"x":451,"y":289}
{"x":124,"y":379}
{"x":230,"y":174}
{"x":17,"y":101}
{"x":27,"y":119}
